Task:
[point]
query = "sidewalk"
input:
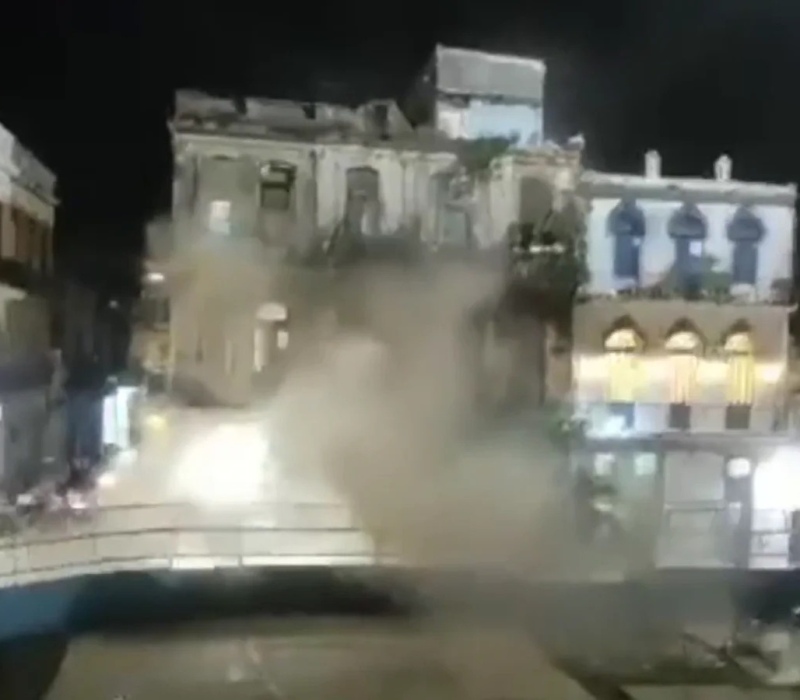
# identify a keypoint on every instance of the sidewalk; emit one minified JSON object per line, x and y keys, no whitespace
{"x":37,"y":454}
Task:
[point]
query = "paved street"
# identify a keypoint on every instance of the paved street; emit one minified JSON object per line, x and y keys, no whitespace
{"x":318,"y":658}
{"x":313,"y":660}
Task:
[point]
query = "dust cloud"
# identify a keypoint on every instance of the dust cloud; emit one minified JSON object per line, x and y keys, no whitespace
{"x":384,"y":411}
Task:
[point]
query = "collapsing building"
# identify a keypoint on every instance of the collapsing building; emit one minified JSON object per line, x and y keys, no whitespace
{"x":257,"y":180}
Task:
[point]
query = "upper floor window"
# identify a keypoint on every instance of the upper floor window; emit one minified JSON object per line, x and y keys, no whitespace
{"x":219,"y":216}
{"x":362,"y":207}
{"x":276,"y":186}
{"x":745,"y":232}
{"x":688,"y":229}
{"x":627,"y":224}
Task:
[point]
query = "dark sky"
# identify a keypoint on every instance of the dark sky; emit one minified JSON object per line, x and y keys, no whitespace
{"x":88,"y":84}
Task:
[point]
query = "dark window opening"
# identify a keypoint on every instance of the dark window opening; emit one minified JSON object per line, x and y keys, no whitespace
{"x":680,"y":416}
{"x":627,"y":225}
{"x":381,"y":116}
{"x":625,"y":411}
{"x":745,"y":262}
{"x":627,"y":255}
{"x":688,"y":229}
{"x":155,"y":311}
{"x":737,"y":416}
{"x":277,"y":182}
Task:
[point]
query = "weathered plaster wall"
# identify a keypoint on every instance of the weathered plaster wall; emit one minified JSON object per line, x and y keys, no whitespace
{"x":409,"y":185}
{"x":209,"y":262}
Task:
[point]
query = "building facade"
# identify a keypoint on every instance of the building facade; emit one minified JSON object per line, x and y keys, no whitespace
{"x":470,"y":94}
{"x":681,"y":343}
{"x":258,"y":181}
{"x":29,"y":428}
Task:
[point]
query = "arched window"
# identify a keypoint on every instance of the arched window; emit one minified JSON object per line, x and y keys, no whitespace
{"x":627,"y":225}
{"x":745,"y":232}
{"x":688,"y":230}
{"x":741,"y":377}
{"x":623,"y":346}
{"x":684,"y":349}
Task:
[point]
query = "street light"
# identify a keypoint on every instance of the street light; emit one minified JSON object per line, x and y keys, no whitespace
{"x":154,"y":277}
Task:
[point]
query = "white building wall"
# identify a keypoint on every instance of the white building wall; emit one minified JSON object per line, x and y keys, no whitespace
{"x":408,"y":184}
{"x":775,"y":257}
{"x":408,"y":189}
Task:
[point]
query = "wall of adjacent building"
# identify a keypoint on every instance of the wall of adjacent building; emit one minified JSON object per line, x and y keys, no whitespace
{"x":30,"y":439}
{"x":655,"y":374}
{"x":27,"y":206}
{"x":775,"y":251}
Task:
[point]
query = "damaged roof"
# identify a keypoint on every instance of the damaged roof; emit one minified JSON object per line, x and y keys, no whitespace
{"x":478,"y":73}
{"x":308,"y":121}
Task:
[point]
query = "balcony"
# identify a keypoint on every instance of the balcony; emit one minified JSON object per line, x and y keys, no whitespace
{"x":708,"y":284}
{"x":608,"y":420}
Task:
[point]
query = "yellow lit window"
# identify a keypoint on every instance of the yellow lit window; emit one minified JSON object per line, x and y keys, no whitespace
{"x":683,"y":349}
{"x":623,"y":364}
{"x":741,"y":380}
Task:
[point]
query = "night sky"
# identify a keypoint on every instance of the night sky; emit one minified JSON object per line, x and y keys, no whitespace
{"x":88,"y":84}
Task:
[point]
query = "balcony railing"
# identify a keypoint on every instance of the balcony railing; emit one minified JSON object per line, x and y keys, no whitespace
{"x":181,"y":536}
{"x":716,"y":287}
{"x":619,"y":419}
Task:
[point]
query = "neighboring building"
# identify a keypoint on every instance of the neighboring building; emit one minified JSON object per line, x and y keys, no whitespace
{"x":681,"y":347}
{"x":257,"y":180}
{"x":27,"y":209}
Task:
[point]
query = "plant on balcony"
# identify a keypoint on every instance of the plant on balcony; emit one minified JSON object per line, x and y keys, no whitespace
{"x":548,"y":260}
{"x":782,"y":290}
{"x":710,"y":284}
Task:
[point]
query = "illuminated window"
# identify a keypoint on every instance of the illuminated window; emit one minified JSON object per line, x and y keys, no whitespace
{"x":219,"y":217}
{"x":741,"y":369}
{"x":259,"y":348}
{"x":741,"y":380}
{"x":684,"y":350}
{"x":623,"y":349}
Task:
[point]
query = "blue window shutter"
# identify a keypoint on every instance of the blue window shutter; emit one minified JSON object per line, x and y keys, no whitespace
{"x":688,"y":262}
{"x":626,"y":256}
{"x":745,"y":262}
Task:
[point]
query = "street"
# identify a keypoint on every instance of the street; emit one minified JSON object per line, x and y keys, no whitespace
{"x":311,"y":659}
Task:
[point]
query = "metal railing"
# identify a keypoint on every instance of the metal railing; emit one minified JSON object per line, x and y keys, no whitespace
{"x":183,"y":536}
{"x":605,"y":418}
